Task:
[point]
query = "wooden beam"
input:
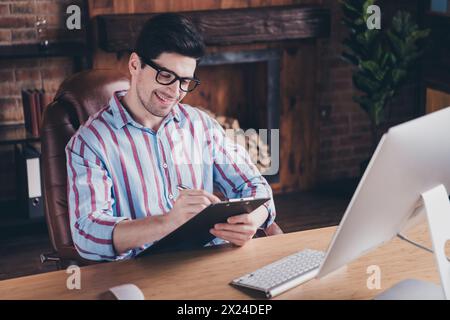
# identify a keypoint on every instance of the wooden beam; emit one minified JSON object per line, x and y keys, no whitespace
{"x":118,"y":33}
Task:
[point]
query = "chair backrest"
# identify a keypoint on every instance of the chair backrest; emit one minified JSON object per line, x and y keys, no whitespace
{"x":77,"y":98}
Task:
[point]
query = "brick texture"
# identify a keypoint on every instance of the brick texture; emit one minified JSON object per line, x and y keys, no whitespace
{"x":345,"y":136}
{"x":17,"y":26}
{"x":345,"y":139}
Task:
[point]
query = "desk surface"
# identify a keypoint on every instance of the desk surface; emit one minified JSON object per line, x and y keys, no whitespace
{"x":205,"y":274}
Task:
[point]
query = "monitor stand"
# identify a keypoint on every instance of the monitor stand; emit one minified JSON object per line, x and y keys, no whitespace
{"x":437,"y":208}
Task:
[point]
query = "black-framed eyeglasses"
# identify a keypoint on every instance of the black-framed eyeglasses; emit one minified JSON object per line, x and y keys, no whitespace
{"x":167,"y":77}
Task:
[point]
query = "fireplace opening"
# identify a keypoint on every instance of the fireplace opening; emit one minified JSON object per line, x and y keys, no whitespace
{"x":243,"y":88}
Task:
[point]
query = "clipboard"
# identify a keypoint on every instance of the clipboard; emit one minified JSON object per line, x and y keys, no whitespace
{"x":194,"y":234}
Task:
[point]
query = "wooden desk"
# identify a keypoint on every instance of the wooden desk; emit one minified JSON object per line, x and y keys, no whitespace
{"x":205,"y":274}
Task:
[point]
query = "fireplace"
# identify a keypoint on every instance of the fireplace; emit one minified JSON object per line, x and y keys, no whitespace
{"x":258,"y":76}
{"x":242,"y":74}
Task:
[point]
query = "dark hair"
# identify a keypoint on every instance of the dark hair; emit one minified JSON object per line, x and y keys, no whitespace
{"x":169,"y":32}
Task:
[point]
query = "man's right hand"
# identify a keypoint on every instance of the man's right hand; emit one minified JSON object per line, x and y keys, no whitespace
{"x":130,"y":234}
{"x":189,"y":203}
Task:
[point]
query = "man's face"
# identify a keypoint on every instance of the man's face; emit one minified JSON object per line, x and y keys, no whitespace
{"x":159,"y":99}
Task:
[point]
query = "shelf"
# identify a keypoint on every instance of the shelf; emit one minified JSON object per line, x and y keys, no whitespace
{"x":35,"y":51}
{"x":15,"y":134}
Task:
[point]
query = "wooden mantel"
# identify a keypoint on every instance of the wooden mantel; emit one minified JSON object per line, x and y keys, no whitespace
{"x":117,"y":33}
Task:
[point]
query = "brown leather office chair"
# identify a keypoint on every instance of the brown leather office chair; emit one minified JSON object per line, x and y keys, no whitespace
{"x":77,"y":98}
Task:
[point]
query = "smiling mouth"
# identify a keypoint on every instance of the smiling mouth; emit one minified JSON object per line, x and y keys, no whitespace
{"x":165,"y":99}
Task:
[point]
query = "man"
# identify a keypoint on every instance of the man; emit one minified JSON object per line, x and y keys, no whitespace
{"x":125,"y":163}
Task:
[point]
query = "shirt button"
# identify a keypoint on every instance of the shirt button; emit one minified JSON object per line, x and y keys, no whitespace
{"x":164,"y":165}
{"x":170,"y":196}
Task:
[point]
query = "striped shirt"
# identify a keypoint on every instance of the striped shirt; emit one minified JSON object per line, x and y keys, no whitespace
{"x":118,"y":169}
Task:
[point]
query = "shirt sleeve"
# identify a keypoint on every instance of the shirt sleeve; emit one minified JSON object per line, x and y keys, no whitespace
{"x":235,"y":173}
{"x":90,"y":203}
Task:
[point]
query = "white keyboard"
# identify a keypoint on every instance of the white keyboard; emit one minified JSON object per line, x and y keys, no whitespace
{"x":283,"y":274}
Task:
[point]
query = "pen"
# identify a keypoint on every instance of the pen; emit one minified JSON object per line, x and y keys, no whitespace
{"x":183,"y":187}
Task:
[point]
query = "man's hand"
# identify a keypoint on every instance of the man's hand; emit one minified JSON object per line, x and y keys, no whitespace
{"x":241,"y":228}
{"x":130,"y":234}
{"x":189,"y":203}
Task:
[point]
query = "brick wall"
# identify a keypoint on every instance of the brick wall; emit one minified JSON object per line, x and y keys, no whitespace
{"x":345,"y":139}
{"x":344,"y":128}
{"x":17,"y":26}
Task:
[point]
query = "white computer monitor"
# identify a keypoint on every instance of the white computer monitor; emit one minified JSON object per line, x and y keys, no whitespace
{"x":410,"y":159}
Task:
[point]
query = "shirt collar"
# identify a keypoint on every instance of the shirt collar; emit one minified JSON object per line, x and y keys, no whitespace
{"x":121,"y":116}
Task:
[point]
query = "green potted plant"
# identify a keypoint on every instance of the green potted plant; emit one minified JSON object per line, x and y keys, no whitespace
{"x":384,"y":58}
